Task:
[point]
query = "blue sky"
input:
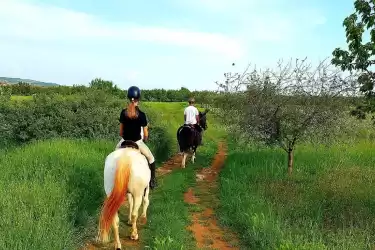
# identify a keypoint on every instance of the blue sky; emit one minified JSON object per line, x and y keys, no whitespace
{"x":162,"y":43}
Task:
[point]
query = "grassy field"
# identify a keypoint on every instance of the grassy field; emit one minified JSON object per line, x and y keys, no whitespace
{"x":51,"y":190}
{"x":21,"y":98}
{"x":329,"y":203}
{"x":169,"y":215}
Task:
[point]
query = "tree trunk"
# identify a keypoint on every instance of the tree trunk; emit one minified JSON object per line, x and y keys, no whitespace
{"x":290,"y":161}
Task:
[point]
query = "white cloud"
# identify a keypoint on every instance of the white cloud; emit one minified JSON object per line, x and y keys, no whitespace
{"x":48,"y":23}
{"x":54,"y":44}
{"x":257,"y":21}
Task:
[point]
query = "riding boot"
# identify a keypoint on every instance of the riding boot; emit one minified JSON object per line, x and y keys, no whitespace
{"x":153,"y":182}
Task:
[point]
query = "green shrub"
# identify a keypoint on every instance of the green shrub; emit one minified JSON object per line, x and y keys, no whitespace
{"x":50,"y":116}
{"x":52,"y":189}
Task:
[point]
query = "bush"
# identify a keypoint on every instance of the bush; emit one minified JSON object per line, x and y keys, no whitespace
{"x":152,"y":95}
{"x":93,"y":115}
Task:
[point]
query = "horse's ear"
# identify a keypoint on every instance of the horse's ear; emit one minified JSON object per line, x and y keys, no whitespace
{"x":206,"y":111}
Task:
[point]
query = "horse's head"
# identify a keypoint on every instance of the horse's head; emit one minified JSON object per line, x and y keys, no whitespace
{"x":203,"y":119}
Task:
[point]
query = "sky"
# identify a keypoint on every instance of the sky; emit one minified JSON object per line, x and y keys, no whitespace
{"x":162,"y":43}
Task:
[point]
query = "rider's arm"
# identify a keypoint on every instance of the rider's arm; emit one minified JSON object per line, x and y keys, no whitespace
{"x":144,"y":124}
{"x":121,"y":129}
{"x":197,"y":115}
{"x":121,"y":120}
{"x":145,"y":133}
{"x":185,"y":115}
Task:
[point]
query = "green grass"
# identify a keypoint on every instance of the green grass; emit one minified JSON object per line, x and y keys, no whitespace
{"x":168,"y":213}
{"x":59,"y":96}
{"x":21,"y":98}
{"x":49,"y":191}
{"x":329,"y":203}
{"x":52,"y":190}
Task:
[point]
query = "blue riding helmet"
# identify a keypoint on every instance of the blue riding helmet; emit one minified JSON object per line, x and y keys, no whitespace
{"x":134,"y":93}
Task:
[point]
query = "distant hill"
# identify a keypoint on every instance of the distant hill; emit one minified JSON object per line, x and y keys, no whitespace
{"x":11,"y":80}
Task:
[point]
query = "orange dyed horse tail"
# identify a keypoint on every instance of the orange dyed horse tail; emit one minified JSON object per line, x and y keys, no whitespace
{"x":117,"y":197}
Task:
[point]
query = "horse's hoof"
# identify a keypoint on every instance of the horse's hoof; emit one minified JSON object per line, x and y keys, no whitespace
{"x":118,"y":245}
{"x":134,"y":237}
{"x":129,"y":223}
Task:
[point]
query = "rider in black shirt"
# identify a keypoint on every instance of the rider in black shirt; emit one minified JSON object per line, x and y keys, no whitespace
{"x":132,"y":119}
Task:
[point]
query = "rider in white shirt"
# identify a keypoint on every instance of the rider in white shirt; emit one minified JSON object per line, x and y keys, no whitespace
{"x":191,"y":117}
{"x":191,"y":113}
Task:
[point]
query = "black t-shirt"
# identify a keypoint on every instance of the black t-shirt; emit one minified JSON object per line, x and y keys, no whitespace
{"x":132,"y":127}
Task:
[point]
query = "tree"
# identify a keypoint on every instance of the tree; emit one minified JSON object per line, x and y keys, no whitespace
{"x":99,"y":83}
{"x":24,"y":88}
{"x":293,"y":103}
{"x":360,"y":54}
{"x":184,"y":94}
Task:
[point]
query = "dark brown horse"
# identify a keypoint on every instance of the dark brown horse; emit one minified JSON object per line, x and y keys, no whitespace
{"x":189,"y":137}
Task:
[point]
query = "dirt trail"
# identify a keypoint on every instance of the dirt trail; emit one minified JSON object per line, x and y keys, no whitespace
{"x":173,"y":163}
{"x":207,"y":232}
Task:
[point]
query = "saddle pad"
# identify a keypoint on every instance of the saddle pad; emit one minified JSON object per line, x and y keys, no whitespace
{"x":129,"y":144}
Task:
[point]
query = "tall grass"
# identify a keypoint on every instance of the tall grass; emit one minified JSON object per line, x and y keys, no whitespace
{"x":329,"y":203}
{"x":52,"y":190}
{"x":48,"y":192}
{"x":168,"y":213}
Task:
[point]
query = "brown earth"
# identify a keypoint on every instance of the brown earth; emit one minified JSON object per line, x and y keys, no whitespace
{"x":208,"y":234}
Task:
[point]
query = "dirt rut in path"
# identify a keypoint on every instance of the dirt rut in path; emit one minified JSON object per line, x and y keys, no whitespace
{"x":168,"y":166}
{"x":173,"y":163}
{"x":207,"y":232}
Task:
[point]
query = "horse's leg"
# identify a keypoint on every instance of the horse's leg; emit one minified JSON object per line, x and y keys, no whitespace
{"x":193,"y":156}
{"x":146,"y":202}
{"x":184,"y":159}
{"x":195,"y":144}
{"x":116,"y":224}
{"x":136,"y":204}
{"x":130,"y":199}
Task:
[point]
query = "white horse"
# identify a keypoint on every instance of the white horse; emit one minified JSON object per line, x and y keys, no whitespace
{"x":126,"y":171}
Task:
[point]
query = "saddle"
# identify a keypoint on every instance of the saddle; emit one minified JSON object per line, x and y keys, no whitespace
{"x":192,"y":128}
{"x":129,"y":144}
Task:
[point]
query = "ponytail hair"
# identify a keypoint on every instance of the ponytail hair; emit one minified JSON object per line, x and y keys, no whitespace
{"x":131,"y":110}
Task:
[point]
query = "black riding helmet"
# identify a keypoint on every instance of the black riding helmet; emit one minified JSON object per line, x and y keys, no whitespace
{"x":134,"y":93}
